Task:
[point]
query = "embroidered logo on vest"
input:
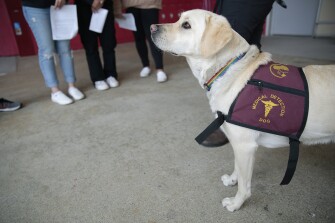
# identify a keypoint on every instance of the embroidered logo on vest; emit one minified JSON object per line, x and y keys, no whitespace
{"x":268,"y":105}
{"x":279,"y":70}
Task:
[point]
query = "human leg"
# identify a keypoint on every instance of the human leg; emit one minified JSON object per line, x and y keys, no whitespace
{"x":39,"y":22}
{"x":89,"y":40}
{"x":255,"y":38}
{"x":246,"y":17}
{"x":108,"y":44}
{"x":66,"y":62}
{"x":151,"y":16}
{"x":139,"y":36}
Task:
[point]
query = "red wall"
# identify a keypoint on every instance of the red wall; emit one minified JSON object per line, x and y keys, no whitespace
{"x":24,"y":39}
{"x":7,"y":37}
{"x":171,"y":9}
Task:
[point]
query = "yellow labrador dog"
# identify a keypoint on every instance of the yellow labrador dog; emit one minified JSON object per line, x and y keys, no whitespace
{"x":208,"y":42}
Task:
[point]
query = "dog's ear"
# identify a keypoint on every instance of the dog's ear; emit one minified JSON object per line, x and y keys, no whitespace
{"x":216,"y":35}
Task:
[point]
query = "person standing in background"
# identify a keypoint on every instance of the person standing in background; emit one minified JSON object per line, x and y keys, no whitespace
{"x":146,"y":12}
{"x":103,"y":75}
{"x":37,"y":15}
{"x":247,"y":18}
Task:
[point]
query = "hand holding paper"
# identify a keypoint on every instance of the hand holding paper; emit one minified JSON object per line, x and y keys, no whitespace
{"x":64,"y":22}
{"x":98,"y":20}
{"x":127,"y":22}
{"x":59,"y":3}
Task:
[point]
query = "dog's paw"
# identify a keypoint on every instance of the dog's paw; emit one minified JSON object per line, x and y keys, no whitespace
{"x":230,"y":204}
{"x":229,"y":180}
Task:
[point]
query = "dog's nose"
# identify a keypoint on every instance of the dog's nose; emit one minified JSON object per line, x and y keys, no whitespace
{"x":153,"y":28}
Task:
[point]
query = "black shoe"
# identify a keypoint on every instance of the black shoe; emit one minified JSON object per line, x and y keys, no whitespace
{"x":216,"y":139}
{"x":6,"y":105}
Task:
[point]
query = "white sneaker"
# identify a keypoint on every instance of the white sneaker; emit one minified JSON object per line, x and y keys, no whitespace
{"x":112,"y":82}
{"x":161,"y":76}
{"x":145,"y":72}
{"x":60,"y":98}
{"x":101,"y":85}
{"x":75,"y":93}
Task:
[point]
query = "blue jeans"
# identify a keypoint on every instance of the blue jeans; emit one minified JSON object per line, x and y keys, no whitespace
{"x":39,"y":22}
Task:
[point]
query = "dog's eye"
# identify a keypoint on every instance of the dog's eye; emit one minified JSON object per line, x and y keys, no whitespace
{"x":186,"y":25}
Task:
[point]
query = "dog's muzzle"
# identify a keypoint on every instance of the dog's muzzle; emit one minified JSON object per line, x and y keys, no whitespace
{"x":156,"y":31}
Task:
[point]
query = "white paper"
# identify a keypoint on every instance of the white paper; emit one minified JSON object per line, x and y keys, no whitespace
{"x":98,"y":20}
{"x":127,"y":22}
{"x":64,"y":22}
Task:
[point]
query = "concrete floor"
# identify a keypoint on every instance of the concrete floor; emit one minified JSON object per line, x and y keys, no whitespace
{"x":128,"y":154}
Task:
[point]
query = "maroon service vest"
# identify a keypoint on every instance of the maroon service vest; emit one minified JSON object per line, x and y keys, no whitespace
{"x":275,"y":100}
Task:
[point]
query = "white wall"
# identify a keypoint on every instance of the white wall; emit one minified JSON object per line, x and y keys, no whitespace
{"x":298,"y":19}
{"x":325,"y":25}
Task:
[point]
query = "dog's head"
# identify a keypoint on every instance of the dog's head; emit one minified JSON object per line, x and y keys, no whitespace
{"x":198,"y":33}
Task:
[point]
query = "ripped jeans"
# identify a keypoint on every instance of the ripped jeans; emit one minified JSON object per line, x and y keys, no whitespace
{"x":39,"y":23}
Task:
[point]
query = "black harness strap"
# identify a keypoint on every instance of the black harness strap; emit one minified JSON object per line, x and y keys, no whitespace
{"x":294,"y":147}
{"x":292,"y":161}
{"x":211,"y":128}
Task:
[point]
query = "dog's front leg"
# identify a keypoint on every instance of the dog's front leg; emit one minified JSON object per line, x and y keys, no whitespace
{"x":244,"y":163}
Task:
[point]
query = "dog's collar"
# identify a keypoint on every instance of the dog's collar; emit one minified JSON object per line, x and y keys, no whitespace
{"x":222,"y":71}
